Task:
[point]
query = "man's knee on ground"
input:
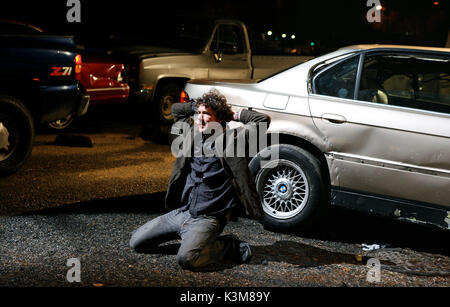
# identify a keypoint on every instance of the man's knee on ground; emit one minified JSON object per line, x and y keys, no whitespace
{"x":133,"y":243}
{"x":134,"y":240}
{"x":187,"y":260}
{"x":138,"y":245}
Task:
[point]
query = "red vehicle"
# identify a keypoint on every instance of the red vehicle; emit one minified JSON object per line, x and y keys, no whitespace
{"x":103,"y":80}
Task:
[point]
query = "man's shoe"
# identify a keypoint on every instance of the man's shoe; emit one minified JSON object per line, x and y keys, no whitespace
{"x":245,"y":251}
{"x":241,"y":252}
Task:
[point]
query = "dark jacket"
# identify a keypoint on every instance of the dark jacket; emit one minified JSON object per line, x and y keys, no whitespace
{"x":236,"y":168}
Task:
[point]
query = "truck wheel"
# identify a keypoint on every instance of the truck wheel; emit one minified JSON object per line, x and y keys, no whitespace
{"x":16,"y":135}
{"x":167,"y":95}
{"x":62,"y":123}
{"x":291,"y":188}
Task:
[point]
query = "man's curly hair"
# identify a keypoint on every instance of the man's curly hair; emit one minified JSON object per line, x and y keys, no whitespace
{"x":218,"y":103}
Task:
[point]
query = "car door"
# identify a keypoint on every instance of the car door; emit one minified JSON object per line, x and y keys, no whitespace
{"x":229,"y":53}
{"x":386,"y":117}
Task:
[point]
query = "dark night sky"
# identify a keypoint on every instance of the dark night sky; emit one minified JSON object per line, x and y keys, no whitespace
{"x":328,"y":23}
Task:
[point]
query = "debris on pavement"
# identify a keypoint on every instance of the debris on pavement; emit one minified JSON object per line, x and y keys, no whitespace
{"x":371,"y":247}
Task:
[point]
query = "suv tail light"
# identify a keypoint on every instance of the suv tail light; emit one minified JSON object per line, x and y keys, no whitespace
{"x":78,"y":63}
{"x":184,"y":97}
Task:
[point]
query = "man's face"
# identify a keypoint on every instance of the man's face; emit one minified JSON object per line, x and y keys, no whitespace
{"x":205,"y":115}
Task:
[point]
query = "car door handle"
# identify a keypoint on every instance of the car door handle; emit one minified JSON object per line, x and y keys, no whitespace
{"x":334,"y":118}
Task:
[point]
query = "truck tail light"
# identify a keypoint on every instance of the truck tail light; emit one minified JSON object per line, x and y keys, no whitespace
{"x":184,"y":97}
{"x":78,"y":63}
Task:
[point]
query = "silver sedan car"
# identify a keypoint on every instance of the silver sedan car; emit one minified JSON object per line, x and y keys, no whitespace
{"x":366,"y":127}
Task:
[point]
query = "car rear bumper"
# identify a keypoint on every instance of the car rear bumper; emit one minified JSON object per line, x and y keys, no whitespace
{"x":62,"y":100}
{"x":83,"y":105}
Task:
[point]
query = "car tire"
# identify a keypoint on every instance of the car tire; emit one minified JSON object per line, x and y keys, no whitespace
{"x":166,"y":96}
{"x":62,"y":124}
{"x":18,"y":127}
{"x":291,"y":187}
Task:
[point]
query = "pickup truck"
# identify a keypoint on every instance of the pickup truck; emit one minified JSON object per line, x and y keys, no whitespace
{"x":159,"y":75}
{"x":39,"y":83}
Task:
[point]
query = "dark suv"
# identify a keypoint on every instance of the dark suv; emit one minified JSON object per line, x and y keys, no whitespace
{"x":39,"y":83}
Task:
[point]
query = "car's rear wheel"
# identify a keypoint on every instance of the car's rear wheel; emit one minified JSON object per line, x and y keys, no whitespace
{"x":291,"y":187}
{"x":62,"y":124}
{"x":16,"y":135}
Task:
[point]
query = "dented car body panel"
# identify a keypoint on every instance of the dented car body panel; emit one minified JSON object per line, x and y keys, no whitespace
{"x":386,"y":146}
{"x":387,"y":153}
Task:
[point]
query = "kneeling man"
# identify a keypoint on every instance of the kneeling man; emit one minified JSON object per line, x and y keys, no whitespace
{"x":204,"y":188}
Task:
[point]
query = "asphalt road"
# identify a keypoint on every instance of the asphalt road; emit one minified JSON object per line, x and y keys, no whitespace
{"x":84,"y":202}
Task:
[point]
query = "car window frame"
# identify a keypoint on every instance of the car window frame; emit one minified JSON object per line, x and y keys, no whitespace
{"x":406,"y":52}
{"x":218,"y":34}
{"x":362,"y":54}
{"x":331,"y":65}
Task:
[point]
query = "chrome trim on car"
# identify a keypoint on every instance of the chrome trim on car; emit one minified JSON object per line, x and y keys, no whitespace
{"x":100,"y":89}
{"x":388,"y":164}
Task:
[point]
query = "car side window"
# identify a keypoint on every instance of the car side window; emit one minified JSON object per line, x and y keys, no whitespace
{"x":413,"y":81}
{"x":338,"y":80}
{"x":228,"y":39}
{"x":434,"y":87}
